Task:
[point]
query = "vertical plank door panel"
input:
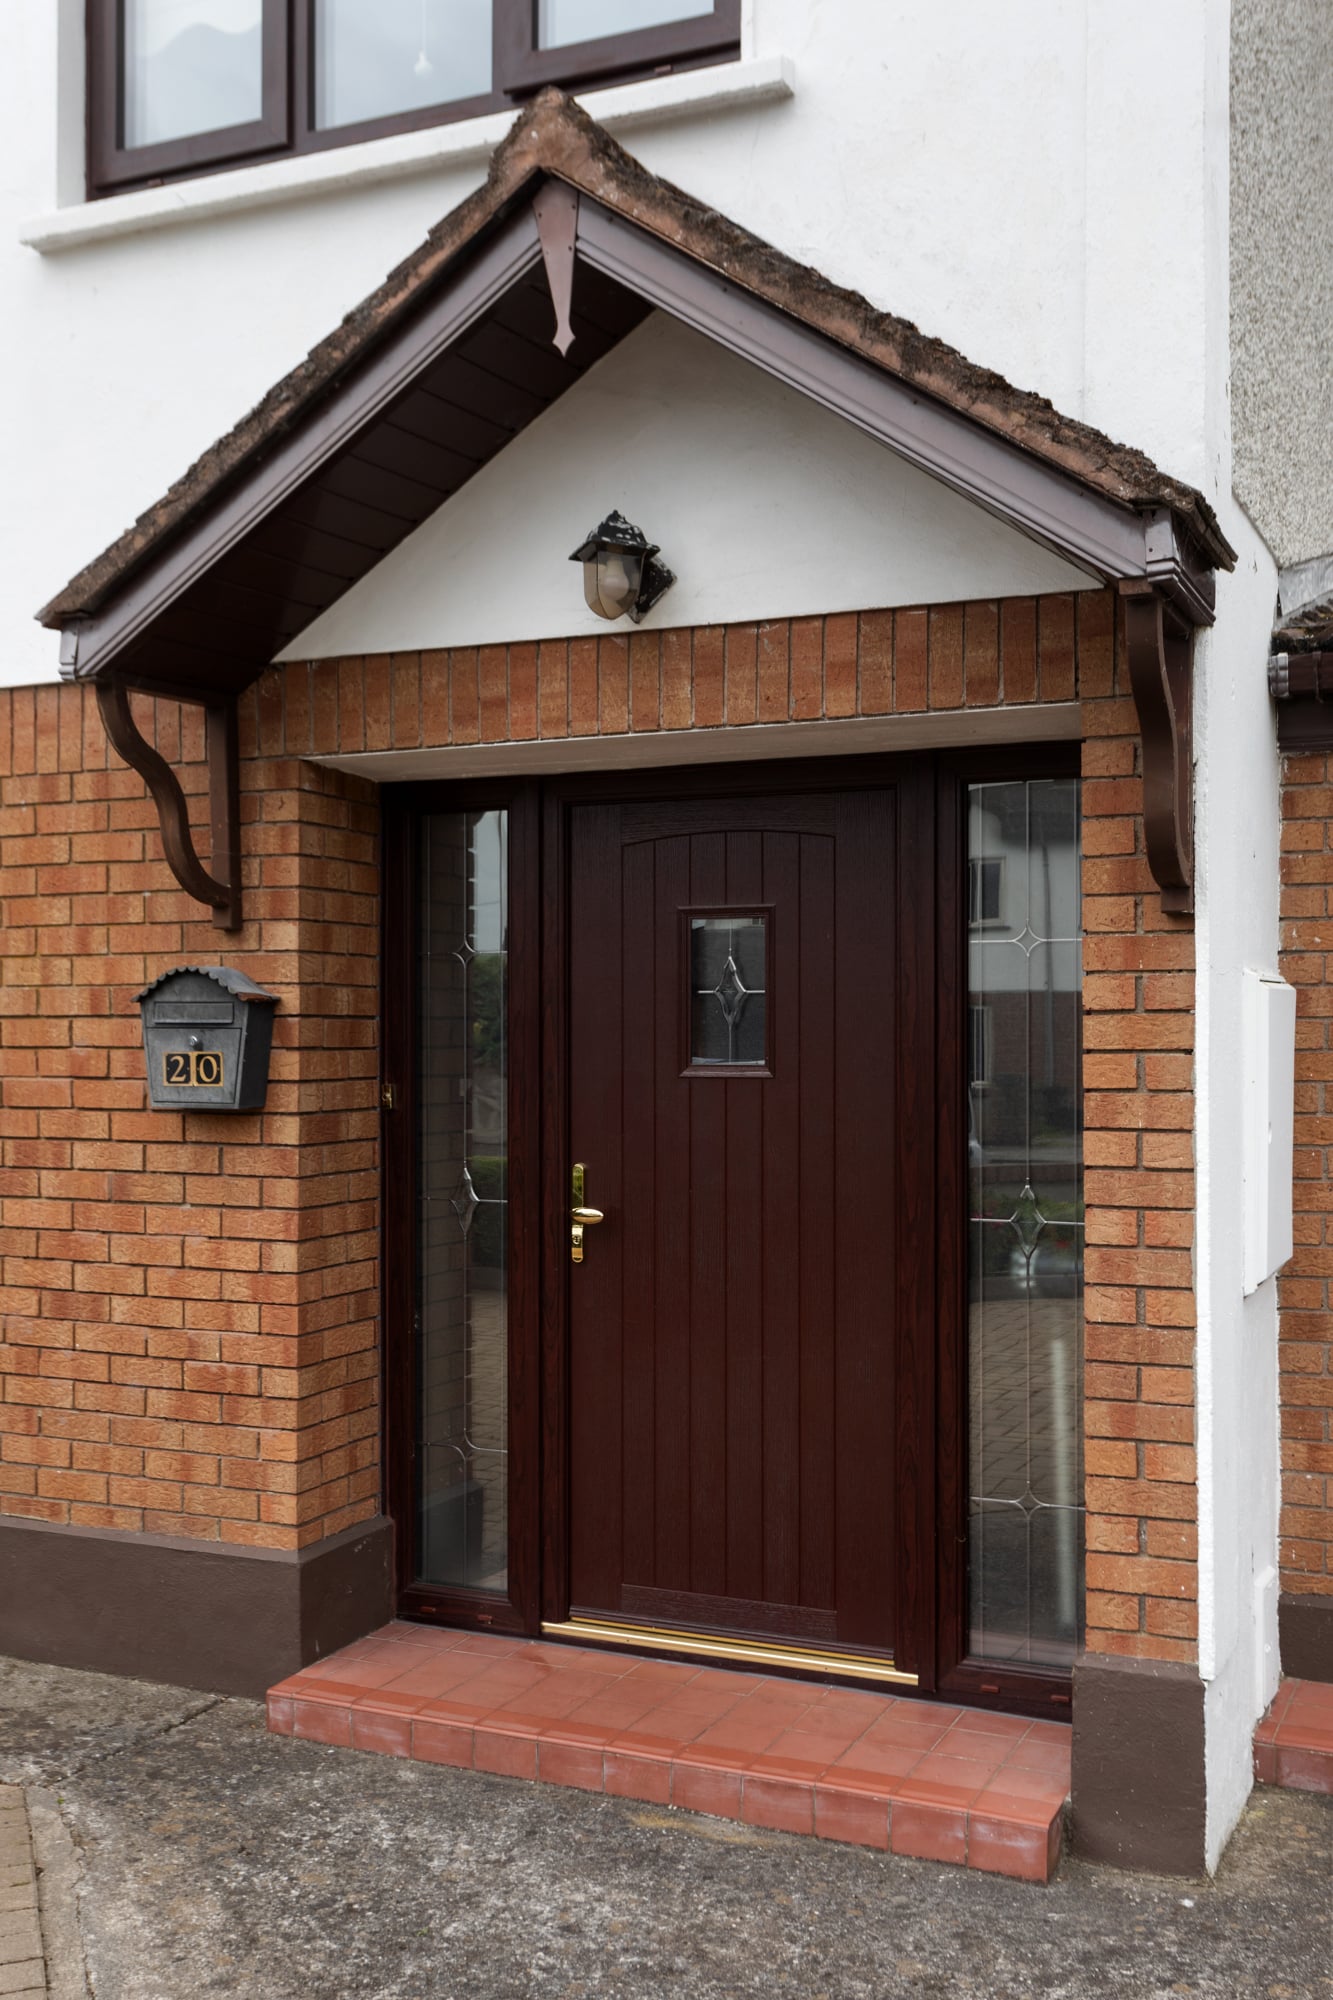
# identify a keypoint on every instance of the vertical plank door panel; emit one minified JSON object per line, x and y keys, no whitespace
{"x":734,"y":1334}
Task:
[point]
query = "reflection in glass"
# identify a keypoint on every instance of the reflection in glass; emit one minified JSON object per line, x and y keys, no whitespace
{"x":560,"y":22}
{"x":728,"y":1001}
{"x":375,"y":60}
{"x":1025,"y":1157}
{"x":191,"y":66}
{"x":462,"y":1401}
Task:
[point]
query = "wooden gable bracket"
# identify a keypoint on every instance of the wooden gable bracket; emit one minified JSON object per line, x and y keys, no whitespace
{"x":1159,"y":642}
{"x":222,"y":889}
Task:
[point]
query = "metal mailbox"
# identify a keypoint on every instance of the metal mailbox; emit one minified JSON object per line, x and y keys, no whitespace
{"x":207,"y":1033}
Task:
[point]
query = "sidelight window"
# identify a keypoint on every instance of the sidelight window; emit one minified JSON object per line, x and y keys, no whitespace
{"x":1025,"y":1294}
{"x":462,"y":1444}
{"x":179,"y":87}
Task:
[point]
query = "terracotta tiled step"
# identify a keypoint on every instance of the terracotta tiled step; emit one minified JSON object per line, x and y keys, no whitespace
{"x":1293,"y":1745}
{"x":918,"y":1778}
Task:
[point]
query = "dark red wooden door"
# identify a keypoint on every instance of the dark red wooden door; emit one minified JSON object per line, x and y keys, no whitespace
{"x":738,"y":1023}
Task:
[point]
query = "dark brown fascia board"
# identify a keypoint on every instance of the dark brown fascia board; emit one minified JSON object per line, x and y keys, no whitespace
{"x":1085,"y":527}
{"x":91,"y":644}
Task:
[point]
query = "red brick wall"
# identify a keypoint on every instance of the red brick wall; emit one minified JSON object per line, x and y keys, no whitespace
{"x":190,"y":1302}
{"x":1138,"y":1042}
{"x":1305,"y":1291}
{"x":798,"y":670}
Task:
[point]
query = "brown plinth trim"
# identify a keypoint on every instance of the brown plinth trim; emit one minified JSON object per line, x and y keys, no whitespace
{"x":228,"y":1620}
{"x":1137,"y":1782}
{"x":1305,"y":1637}
{"x":1304,"y":726}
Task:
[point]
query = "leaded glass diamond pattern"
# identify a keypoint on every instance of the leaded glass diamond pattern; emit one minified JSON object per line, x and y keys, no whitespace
{"x":728,"y":972}
{"x":464,"y":1203}
{"x":732,"y":993}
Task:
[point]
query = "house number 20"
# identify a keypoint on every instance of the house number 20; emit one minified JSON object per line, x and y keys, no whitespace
{"x":192,"y":1066}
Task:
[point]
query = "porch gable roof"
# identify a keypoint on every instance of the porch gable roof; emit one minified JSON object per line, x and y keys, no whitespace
{"x":431,"y":375}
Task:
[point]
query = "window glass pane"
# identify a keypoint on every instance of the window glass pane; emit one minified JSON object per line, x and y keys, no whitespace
{"x":560,"y":22}
{"x":1025,"y":1156}
{"x":191,"y":66}
{"x":728,"y":1002}
{"x":374,"y":60}
{"x":462,"y":1388}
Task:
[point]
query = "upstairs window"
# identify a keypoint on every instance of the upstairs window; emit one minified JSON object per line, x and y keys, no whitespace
{"x":179,"y":87}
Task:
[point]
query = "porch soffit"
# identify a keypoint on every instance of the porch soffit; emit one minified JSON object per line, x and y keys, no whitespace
{"x":453,"y":355}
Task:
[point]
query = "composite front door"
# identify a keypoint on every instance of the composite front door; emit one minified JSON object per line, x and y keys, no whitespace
{"x":748,"y":1083}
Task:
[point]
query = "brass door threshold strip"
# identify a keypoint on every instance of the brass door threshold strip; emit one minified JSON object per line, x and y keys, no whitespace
{"x":759,"y":1653}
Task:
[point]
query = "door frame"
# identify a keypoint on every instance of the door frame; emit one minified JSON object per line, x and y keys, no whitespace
{"x":932,"y":1439}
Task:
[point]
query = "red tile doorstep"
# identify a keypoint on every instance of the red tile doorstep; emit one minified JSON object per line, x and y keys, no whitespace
{"x":920,"y":1778}
{"x":391,"y":1735}
{"x":1007,"y":1847}
{"x":858,"y":1817}
{"x":780,"y":1803}
{"x":1300,"y":1770}
{"x":441,"y":1743}
{"x":699,"y":1788}
{"x":1293,"y":1745}
{"x":320,"y":1722}
{"x":504,"y":1756}
{"x":629,"y":1777}
{"x":928,"y":1832}
{"x":576,"y":1764}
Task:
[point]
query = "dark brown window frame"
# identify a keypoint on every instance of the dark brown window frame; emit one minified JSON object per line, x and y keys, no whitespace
{"x":287,"y":126}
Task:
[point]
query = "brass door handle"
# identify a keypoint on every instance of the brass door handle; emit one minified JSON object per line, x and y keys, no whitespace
{"x":580,"y":1218}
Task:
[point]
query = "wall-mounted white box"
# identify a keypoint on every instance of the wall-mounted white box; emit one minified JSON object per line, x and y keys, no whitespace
{"x":1269,"y":1087}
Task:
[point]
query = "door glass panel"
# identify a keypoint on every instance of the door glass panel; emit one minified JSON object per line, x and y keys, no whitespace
{"x":191,"y":66}
{"x":1025,"y":1280}
{"x":728,"y":1001}
{"x":560,"y":22}
{"x":373,"y":61}
{"x":462,"y":1341}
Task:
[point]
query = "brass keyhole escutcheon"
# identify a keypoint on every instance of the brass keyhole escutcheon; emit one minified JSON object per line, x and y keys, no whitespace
{"x":580,"y":1217}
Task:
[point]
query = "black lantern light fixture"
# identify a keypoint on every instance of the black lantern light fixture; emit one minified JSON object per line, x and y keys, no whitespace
{"x":621,"y":573}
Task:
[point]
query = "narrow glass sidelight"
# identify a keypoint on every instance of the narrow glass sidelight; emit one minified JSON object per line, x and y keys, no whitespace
{"x":1025,"y":1180}
{"x":462,"y":1339}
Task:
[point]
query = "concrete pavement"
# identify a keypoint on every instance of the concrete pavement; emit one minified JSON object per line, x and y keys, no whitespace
{"x":213,"y":1859}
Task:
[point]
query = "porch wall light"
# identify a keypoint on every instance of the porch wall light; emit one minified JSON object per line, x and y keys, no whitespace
{"x":621,"y":573}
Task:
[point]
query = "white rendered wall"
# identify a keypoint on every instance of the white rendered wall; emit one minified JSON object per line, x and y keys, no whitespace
{"x":984,"y":171}
{"x":765,"y":506}
{"x":1237,"y":828}
{"x":1236,"y":1374}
